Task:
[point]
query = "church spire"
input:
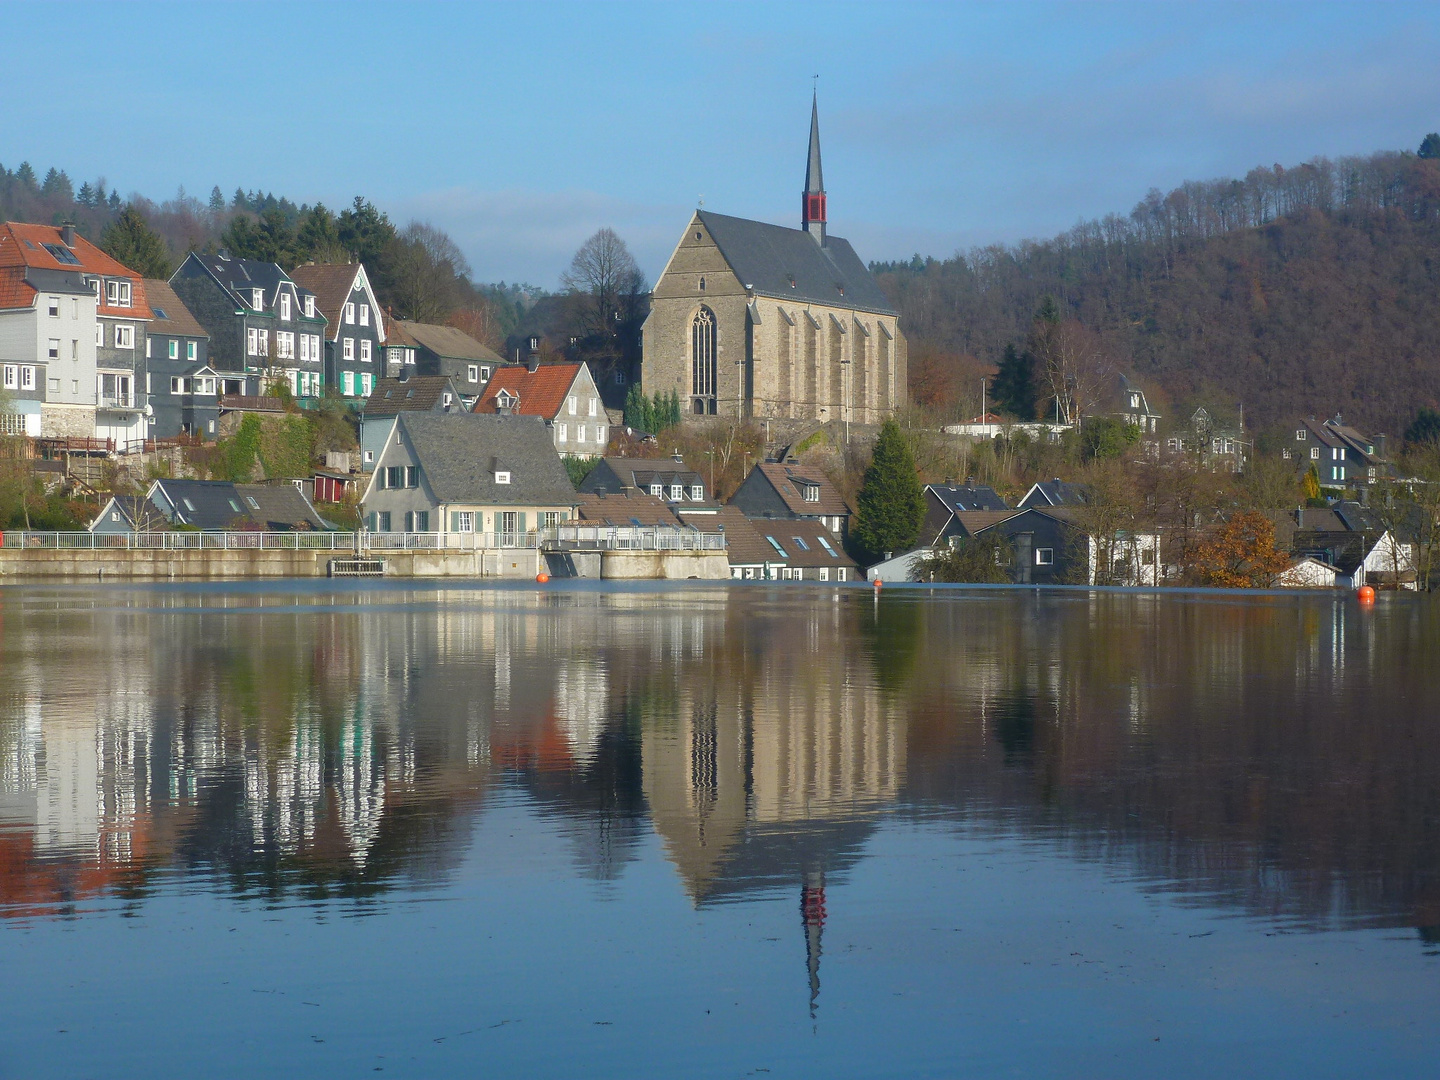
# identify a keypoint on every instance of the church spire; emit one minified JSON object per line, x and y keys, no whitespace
{"x":812,"y":208}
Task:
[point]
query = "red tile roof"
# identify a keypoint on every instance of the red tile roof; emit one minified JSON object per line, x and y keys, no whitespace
{"x":22,"y":246}
{"x":541,"y":392}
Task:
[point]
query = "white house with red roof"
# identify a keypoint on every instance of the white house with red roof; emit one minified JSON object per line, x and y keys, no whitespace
{"x":565,"y":395}
{"x":72,"y":337}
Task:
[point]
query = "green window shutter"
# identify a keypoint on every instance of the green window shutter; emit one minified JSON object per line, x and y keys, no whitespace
{"x":521,"y":520}
{"x":454,"y":520}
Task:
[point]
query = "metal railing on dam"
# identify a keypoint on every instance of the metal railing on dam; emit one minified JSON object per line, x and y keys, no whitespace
{"x":561,"y":538}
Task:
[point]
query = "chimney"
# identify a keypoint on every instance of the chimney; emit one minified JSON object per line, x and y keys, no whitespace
{"x":1380,"y":441}
{"x":675,"y":457}
{"x":1300,"y":517}
{"x":67,"y":233}
{"x":532,"y":365}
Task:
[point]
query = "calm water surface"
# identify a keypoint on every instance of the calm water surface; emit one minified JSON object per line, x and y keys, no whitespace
{"x":311,"y":830}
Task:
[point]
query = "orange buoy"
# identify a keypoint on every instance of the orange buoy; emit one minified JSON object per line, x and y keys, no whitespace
{"x":877,"y":583}
{"x":1366,"y":594}
{"x":542,"y":577}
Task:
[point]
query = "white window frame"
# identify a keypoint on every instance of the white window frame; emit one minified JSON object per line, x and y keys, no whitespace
{"x":347,"y":383}
{"x":465,"y":521}
{"x":350,"y":312}
{"x":364,"y":314}
{"x":52,"y":348}
{"x":697,"y":492}
{"x":252,"y":341}
{"x":12,"y":377}
{"x":99,"y":335}
{"x":579,"y":433}
{"x":592,"y":407}
{"x":264,"y":338}
{"x":473,"y":372}
{"x":191,"y":350}
{"x":572,"y":406}
{"x":53,"y":306}
{"x":310,"y":307}
{"x":172,"y":349}
{"x":600,"y":434}
{"x":257,"y":299}
{"x":365,"y":350}
{"x":1314,"y":453}
{"x":285,"y":306}
{"x":347,"y":347}
{"x":502,"y":476}
{"x":562,"y":432}
{"x":367,"y":383}
{"x":27,"y":378}
{"x":1044,"y":556}
{"x":1300,"y":435}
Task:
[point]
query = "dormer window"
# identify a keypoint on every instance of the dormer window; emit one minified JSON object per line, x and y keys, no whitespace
{"x":697,"y":492}
{"x":658,"y":490}
{"x":502,"y":476}
{"x":677,"y":492}
{"x":285,"y":305}
{"x":257,"y":299}
{"x":811,"y":492}
{"x":309,"y":307}
{"x":506,"y":400}
{"x":117,"y":293}
{"x":446,"y":398}
{"x":1134,"y":401}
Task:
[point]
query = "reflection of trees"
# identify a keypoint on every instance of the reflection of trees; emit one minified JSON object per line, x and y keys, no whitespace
{"x":1273,"y":751}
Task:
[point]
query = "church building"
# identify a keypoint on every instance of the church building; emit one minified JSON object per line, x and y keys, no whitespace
{"x":759,"y":321}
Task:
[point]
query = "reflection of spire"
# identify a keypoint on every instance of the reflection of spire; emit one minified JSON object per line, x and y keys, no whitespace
{"x":812,"y":912}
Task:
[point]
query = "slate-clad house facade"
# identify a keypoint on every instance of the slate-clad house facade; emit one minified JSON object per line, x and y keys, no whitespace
{"x":665,"y":478}
{"x":428,"y":349}
{"x":798,"y":492}
{"x":219,"y":504}
{"x":262,"y":326}
{"x":355,"y":331}
{"x":460,"y":473}
{"x":182,"y":387}
{"x":944,"y":501}
{"x":1341,"y":455}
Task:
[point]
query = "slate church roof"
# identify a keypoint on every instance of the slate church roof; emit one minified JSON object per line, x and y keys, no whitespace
{"x":787,"y":264}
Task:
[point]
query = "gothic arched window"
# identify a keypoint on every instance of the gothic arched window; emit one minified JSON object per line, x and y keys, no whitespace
{"x":702,"y":355}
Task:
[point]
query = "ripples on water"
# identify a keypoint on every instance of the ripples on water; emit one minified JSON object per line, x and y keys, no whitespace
{"x":664,"y":795}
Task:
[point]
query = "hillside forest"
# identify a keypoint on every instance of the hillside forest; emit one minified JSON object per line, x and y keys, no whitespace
{"x":1293,"y":292}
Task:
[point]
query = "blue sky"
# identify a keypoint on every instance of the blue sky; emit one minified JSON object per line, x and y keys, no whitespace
{"x":521,"y":128}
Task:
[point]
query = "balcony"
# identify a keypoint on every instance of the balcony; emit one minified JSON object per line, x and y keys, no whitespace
{"x":119,"y":402}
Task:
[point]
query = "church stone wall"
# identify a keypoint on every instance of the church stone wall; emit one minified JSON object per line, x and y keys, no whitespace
{"x":803,"y":360}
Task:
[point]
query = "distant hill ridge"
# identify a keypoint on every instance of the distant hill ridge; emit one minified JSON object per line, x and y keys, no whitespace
{"x":1300,"y":291}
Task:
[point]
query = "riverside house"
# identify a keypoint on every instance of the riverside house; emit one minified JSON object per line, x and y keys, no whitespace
{"x":463,"y":475}
{"x":563,"y":395}
{"x":354,"y":332}
{"x":792,"y":492}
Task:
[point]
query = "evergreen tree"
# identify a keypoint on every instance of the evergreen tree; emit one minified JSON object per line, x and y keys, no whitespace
{"x":1424,"y":429}
{"x":86,"y":197}
{"x":365,"y":232}
{"x":1430,"y":147}
{"x":275,"y":240}
{"x":1014,"y":390}
{"x":318,"y":237}
{"x":638,"y":412}
{"x":25,"y":176}
{"x":238,"y":200}
{"x":114,"y":202}
{"x":57,"y":186}
{"x":130,"y":241}
{"x":217,"y":200}
{"x":241,"y":238}
{"x":891,"y":502}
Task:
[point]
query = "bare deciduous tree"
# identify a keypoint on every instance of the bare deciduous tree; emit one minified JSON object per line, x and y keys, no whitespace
{"x":1073,"y":364}
{"x":424,"y":267}
{"x":606,"y":273}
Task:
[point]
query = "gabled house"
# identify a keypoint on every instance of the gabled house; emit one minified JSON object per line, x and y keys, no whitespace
{"x":669,"y":479}
{"x":944,"y":501}
{"x":72,"y":335}
{"x":1341,"y":455}
{"x":1055,"y":492}
{"x":428,"y":349}
{"x":563,"y":395}
{"x":751,"y":557}
{"x":391,"y":397}
{"x":1216,"y":444}
{"x":1130,"y":405}
{"x":1351,"y":540}
{"x":182,"y":387}
{"x":805,"y":549}
{"x":462,"y":473}
{"x":355,"y":328}
{"x":219,"y":504}
{"x":797,"y":492}
{"x":129,"y":514}
{"x":263,"y":327}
